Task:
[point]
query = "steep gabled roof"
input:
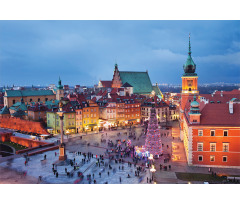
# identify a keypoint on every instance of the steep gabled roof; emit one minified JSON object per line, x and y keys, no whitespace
{"x":107,"y":84}
{"x":157,"y":91}
{"x":139,"y":80}
{"x":127,"y":85}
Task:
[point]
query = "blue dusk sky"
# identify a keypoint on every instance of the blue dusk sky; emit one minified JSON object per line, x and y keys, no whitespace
{"x":83,"y":52}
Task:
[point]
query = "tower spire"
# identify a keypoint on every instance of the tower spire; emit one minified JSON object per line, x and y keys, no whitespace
{"x":189,"y":51}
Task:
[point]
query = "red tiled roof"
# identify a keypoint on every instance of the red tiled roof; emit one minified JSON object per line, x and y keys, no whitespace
{"x":218,"y":114}
{"x":38,"y":107}
{"x":226,"y":96}
{"x":99,"y":93}
{"x":114,"y":90}
{"x":68,"y":107}
{"x":106,"y":84}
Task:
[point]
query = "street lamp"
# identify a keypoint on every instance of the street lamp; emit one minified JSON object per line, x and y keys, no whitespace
{"x":150,"y":158}
{"x":152,"y":170}
{"x":62,"y":153}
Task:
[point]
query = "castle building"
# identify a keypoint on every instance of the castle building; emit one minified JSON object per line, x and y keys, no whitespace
{"x":209,"y":127}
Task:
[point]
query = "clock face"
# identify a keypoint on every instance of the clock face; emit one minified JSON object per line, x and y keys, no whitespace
{"x":190,"y":83}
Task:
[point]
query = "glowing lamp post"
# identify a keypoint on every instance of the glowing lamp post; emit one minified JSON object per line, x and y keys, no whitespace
{"x":150,"y":158}
{"x":62,"y":153}
{"x":152,"y":170}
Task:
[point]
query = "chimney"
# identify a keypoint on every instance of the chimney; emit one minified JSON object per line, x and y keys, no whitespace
{"x":231,"y":107}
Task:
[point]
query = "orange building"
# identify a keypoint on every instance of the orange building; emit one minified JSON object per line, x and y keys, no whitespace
{"x":210,"y":127}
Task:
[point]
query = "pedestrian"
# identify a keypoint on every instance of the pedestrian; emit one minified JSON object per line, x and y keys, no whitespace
{"x":55,"y":154}
{"x":56,"y":174}
{"x":120,"y":179}
{"x":100,"y":174}
{"x":40,"y":178}
{"x":147,"y":179}
{"x":93,"y":176}
{"x":45,"y":157}
{"x":108,"y":173}
{"x":25,"y":162}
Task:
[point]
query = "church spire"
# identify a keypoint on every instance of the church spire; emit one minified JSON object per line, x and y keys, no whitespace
{"x":189,"y":51}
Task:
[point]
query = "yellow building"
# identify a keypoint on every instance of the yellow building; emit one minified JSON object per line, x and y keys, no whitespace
{"x":90,"y":116}
{"x":69,"y":120}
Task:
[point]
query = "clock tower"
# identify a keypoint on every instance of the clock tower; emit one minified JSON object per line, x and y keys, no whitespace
{"x":189,"y":80}
{"x":189,"y":85}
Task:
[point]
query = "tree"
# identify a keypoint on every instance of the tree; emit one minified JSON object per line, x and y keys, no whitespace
{"x":153,"y":142}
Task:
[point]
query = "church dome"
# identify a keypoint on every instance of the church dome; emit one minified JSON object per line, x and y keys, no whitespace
{"x":194,"y":104}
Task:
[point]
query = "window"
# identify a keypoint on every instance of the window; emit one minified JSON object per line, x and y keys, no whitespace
{"x":225,"y":133}
{"x":48,"y":121}
{"x":224,"y":158}
{"x":200,"y":158}
{"x":225,"y":147}
{"x":212,"y":132}
{"x":38,"y":99}
{"x":200,"y":133}
{"x":13,"y":101}
{"x":212,"y":158}
{"x":46,"y":99}
{"x":57,"y":123}
{"x":30,"y":100}
{"x":200,"y":147}
{"x":212,"y":147}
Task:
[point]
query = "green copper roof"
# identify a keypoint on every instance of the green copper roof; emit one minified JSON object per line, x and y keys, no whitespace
{"x":20,"y":93}
{"x":139,"y":80}
{"x":19,"y":113}
{"x":59,"y":86}
{"x":189,"y":67}
{"x":157,"y":91}
{"x":4,"y":110}
{"x":19,"y":106}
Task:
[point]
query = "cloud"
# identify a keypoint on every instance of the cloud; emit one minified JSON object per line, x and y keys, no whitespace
{"x":228,"y":59}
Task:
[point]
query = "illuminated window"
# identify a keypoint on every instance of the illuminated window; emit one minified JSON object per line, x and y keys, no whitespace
{"x":212,"y":147}
{"x":225,"y":147}
{"x":200,"y":147}
{"x":225,"y":133}
{"x":224,"y":158}
{"x":200,"y":158}
{"x":200,"y":133}
{"x":212,"y":132}
{"x":212,"y":158}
